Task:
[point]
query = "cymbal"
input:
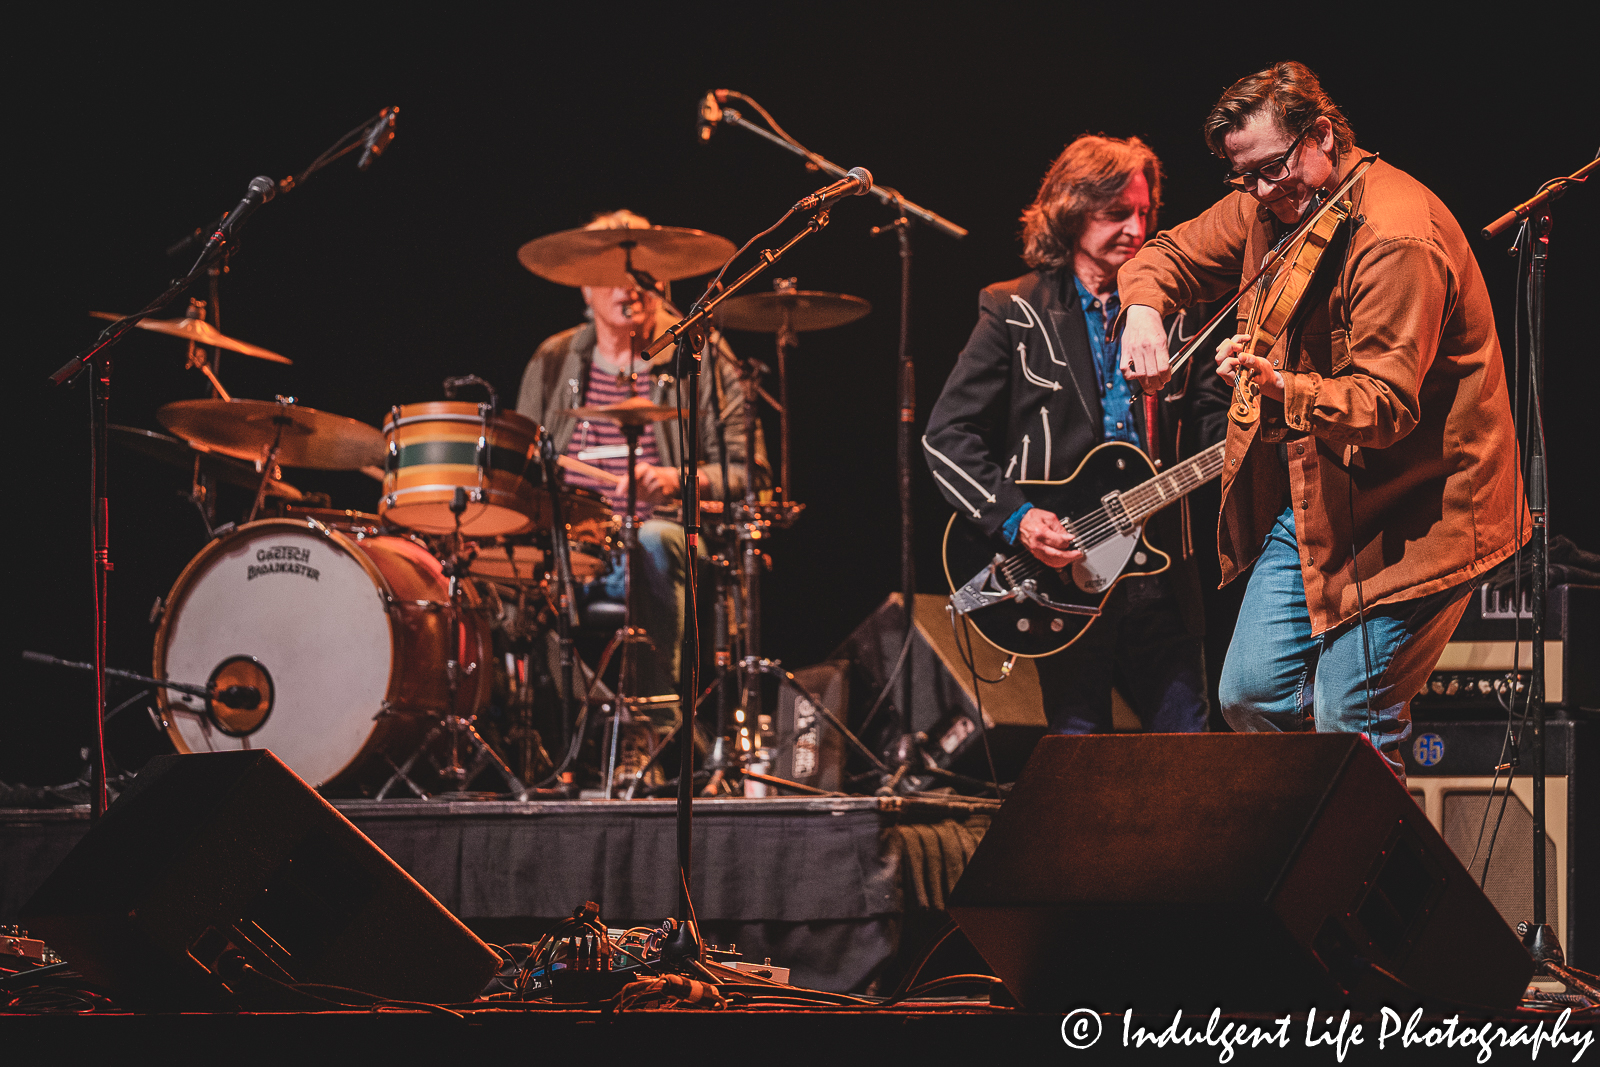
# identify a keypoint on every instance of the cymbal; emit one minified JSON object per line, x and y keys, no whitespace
{"x":634,"y":411}
{"x":176,"y":453}
{"x":200,"y":332}
{"x":596,"y":257}
{"x":246,"y":428}
{"x":765,"y":312}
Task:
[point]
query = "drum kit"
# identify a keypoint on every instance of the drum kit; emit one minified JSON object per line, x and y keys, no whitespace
{"x":375,"y":641}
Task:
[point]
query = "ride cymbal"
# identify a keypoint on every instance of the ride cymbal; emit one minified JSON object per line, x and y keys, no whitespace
{"x":598,"y":257}
{"x":797,"y":309}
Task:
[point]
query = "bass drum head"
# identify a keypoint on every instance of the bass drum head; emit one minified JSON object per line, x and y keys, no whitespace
{"x":310,"y":608}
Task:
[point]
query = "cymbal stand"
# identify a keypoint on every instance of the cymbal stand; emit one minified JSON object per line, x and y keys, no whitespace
{"x":269,"y":465}
{"x":566,"y":600}
{"x":629,"y":635}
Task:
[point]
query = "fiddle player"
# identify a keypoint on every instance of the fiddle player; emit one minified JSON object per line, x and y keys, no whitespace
{"x":599,"y":363}
{"x":1380,"y":479}
{"x":1040,"y":371}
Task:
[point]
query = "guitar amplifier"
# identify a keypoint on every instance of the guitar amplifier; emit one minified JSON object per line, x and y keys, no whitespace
{"x":1450,"y":771}
{"x":1485,"y":664}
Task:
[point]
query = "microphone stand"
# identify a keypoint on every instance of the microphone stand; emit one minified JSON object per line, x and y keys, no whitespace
{"x":1540,"y":938}
{"x":689,"y":335}
{"x":906,"y":212}
{"x":97,"y":360}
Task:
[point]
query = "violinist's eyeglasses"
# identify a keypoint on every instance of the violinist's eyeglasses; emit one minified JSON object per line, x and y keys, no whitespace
{"x":1273,"y":171}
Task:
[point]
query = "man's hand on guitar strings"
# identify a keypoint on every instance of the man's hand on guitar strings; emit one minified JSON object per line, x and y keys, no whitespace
{"x":1042,"y":534}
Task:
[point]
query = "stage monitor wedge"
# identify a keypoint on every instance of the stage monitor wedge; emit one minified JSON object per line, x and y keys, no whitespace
{"x":1251,"y":872}
{"x":210,"y":861}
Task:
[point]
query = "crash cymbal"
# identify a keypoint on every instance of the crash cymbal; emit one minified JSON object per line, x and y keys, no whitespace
{"x":200,"y":332}
{"x":765,"y":312}
{"x":634,"y":411}
{"x":246,"y":429}
{"x":176,"y":453}
{"x":596,"y":257}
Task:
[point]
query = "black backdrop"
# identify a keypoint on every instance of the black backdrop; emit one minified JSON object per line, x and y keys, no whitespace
{"x":123,"y":136}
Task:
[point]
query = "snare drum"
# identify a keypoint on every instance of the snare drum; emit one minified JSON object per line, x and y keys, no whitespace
{"x":436,"y":448}
{"x":352,"y":635}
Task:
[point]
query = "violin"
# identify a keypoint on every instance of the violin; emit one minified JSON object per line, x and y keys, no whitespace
{"x":1274,"y":309}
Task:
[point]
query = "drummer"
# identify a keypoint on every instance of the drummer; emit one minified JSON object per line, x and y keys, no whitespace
{"x":599,"y":363}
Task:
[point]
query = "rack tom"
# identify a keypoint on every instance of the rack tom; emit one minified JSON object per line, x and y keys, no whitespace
{"x":436,"y":448}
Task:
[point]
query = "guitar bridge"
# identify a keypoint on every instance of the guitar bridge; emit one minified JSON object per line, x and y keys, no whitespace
{"x":986,"y":588}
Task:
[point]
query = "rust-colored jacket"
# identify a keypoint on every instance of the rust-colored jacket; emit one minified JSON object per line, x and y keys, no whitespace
{"x":1395,"y":419}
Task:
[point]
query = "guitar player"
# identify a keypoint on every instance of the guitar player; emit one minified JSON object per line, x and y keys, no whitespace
{"x":1036,"y":387}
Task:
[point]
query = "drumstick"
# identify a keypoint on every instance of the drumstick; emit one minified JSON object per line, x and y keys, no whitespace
{"x":578,"y":466}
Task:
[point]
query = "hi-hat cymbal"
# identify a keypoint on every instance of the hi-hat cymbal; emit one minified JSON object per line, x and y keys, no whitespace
{"x":597,"y":257}
{"x":200,"y":332}
{"x":766,"y":312}
{"x":246,"y":429}
{"x":178,"y":453}
{"x":634,"y":411}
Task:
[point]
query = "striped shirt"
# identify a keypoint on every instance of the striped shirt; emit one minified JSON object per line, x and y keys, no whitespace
{"x":599,"y":442}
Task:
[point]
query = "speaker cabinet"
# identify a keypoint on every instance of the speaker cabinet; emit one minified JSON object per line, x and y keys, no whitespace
{"x":211,"y":861}
{"x":1251,"y":871}
{"x":944,"y":700}
{"x":1450,"y":770}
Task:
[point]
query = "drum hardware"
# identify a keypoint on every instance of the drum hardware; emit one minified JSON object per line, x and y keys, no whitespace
{"x":206,"y":468}
{"x":460,"y":729}
{"x":268,"y":464}
{"x":785,"y":312}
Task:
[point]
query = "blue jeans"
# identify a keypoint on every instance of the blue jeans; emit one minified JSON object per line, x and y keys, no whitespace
{"x":1278,"y":677}
{"x":658,"y":601}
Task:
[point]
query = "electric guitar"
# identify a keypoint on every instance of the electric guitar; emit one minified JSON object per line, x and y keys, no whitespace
{"x":1025,"y":608}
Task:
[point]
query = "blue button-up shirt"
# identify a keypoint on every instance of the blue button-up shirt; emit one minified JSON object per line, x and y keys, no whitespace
{"x":1116,"y":400}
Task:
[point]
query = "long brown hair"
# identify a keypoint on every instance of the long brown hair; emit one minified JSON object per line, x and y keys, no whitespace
{"x":1086,"y":177}
{"x":1289,"y":92}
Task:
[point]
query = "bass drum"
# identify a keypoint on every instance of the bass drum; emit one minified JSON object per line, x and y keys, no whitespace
{"x":345,"y":637}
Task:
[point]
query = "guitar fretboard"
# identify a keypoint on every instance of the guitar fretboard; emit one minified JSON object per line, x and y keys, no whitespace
{"x":1144,"y":500}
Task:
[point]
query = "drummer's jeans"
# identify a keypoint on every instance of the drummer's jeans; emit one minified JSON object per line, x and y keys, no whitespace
{"x":658,"y":602}
{"x":1279,"y":677}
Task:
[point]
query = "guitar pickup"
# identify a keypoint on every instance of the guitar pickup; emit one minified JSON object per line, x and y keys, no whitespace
{"x":1112,"y":502}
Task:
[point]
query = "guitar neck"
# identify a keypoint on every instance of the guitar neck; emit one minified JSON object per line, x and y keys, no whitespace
{"x":1146,"y":499}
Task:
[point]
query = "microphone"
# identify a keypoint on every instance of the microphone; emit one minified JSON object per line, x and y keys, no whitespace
{"x":858,"y":182}
{"x":262,"y":189}
{"x":710,"y":113}
{"x":378,"y":137}
{"x":239,"y":697}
